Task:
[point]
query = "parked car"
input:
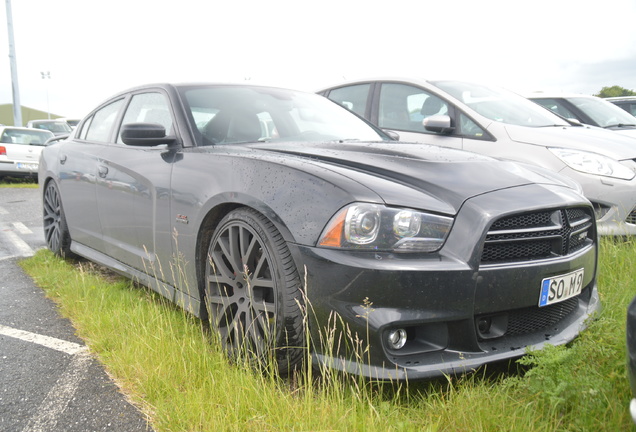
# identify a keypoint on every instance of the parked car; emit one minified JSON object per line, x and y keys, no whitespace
{"x":589,"y":110}
{"x":631,"y":354}
{"x":71,"y":122}
{"x":268,"y":205}
{"x":20,"y":150}
{"x":56,"y":126}
{"x":628,"y":103}
{"x":499,"y":123}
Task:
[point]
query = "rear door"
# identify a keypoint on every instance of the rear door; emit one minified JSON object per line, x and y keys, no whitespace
{"x":79,"y":171}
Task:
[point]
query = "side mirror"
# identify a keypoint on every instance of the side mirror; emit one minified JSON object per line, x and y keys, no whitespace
{"x":145,"y":134}
{"x":438,"y":123}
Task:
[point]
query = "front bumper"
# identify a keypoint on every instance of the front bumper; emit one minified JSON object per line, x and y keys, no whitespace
{"x":437,"y":307}
{"x":441,"y":300}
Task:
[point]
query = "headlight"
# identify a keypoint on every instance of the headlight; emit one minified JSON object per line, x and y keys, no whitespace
{"x":376,"y":227}
{"x":593,"y":163}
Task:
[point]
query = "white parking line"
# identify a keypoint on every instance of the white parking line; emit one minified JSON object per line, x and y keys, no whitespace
{"x":60,"y":395}
{"x":22,"y":228}
{"x":47,"y":341}
{"x":21,"y":248}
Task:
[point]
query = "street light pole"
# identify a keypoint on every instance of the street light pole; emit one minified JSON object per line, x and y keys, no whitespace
{"x":47,"y":76}
{"x":17,"y":108}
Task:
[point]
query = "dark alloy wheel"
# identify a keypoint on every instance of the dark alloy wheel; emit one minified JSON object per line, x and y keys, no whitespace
{"x":253,"y":292}
{"x":56,"y":234}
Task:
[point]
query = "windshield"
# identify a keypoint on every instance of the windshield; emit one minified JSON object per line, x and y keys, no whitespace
{"x":603,"y":113}
{"x":54,"y":126}
{"x":238,"y":114}
{"x":501,"y":105}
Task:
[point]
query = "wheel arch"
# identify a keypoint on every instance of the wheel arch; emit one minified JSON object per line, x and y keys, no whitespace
{"x":208,"y":225}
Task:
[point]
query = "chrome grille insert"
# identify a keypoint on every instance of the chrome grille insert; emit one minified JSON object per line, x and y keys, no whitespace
{"x":538,"y":235}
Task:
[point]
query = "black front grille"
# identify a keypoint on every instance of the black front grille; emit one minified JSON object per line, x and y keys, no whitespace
{"x":631,"y":218}
{"x":538,"y":235}
{"x":533,"y":319}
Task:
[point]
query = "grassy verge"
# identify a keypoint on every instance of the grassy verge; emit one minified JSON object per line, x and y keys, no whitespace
{"x":171,"y":369}
{"x":10,"y":182}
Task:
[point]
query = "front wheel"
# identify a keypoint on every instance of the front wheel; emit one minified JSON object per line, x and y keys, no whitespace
{"x":56,"y":233}
{"x":253,"y":292}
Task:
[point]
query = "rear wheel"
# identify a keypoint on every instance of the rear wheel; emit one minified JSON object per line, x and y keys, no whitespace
{"x":253,"y":292}
{"x":56,"y":234}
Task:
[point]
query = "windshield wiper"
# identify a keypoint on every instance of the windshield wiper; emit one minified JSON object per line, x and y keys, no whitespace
{"x":619,"y":125}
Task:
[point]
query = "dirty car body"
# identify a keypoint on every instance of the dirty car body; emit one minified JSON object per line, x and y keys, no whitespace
{"x":253,"y":206}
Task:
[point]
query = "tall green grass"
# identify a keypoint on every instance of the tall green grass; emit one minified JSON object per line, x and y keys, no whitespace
{"x":172,"y":369}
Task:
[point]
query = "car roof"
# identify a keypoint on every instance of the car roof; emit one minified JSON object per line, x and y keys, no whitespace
{"x":558,"y":95}
{"x":621,"y":98}
{"x":25,"y":129}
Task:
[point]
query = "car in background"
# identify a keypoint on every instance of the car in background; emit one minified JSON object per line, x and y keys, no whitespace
{"x":280,"y":209}
{"x":589,"y":110}
{"x":57,"y":127}
{"x":20,"y":150}
{"x":71,"y":122}
{"x":628,"y":103}
{"x":495,"y":122}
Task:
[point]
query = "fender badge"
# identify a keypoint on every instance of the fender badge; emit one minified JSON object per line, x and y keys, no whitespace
{"x":182,"y":218}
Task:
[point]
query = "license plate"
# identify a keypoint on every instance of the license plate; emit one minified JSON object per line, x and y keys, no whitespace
{"x":562,"y":287}
{"x":27,"y":166}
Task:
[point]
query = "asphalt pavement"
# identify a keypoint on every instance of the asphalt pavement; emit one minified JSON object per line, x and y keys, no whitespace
{"x":49,"y":380}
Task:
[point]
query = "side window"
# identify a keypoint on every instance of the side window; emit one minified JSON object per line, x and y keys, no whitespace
{"x":149,"y":108}
{"x":353,"y":97}
{"x":81,"y":134}
{"x":470,"y":129}
{"x":557,"y":107}
{"x":404,"y":107}
{"x":102,"y":123}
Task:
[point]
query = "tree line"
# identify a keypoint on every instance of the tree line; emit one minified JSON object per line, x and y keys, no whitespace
{"x":615,"y":91}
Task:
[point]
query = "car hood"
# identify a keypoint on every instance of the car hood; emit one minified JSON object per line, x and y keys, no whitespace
{"x":586,"y":138}
{"x":449,"y":175}
{"x":627,"y":131}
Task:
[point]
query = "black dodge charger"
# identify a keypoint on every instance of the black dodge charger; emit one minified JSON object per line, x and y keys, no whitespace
{"x":284,"y":219}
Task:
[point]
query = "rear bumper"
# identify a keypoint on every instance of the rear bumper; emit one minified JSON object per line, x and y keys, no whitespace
{"x":19,"y":168}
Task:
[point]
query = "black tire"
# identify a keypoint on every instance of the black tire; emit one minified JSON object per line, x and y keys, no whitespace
{"x":253,"y":292}
{"x":56,"y":233}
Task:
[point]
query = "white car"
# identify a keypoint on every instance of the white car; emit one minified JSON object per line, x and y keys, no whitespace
{"x":498,"y":123}
{"x":20,"y":150}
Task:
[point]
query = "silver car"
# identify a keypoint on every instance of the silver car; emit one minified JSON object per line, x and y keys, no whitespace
{"x":57,"y":127}
{"x":628,"y":103}
{"x":505,"y":125}
{"x":590,"y":110}
{"x":20,"y":150}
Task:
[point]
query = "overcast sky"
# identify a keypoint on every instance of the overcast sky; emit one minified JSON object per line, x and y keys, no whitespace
{"x":93,"y":49}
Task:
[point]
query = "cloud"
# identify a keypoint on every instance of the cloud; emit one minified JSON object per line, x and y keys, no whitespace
{"x":93,"y":50}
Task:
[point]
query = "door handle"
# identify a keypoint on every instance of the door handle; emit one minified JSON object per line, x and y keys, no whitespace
{"x":103,"y":171}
